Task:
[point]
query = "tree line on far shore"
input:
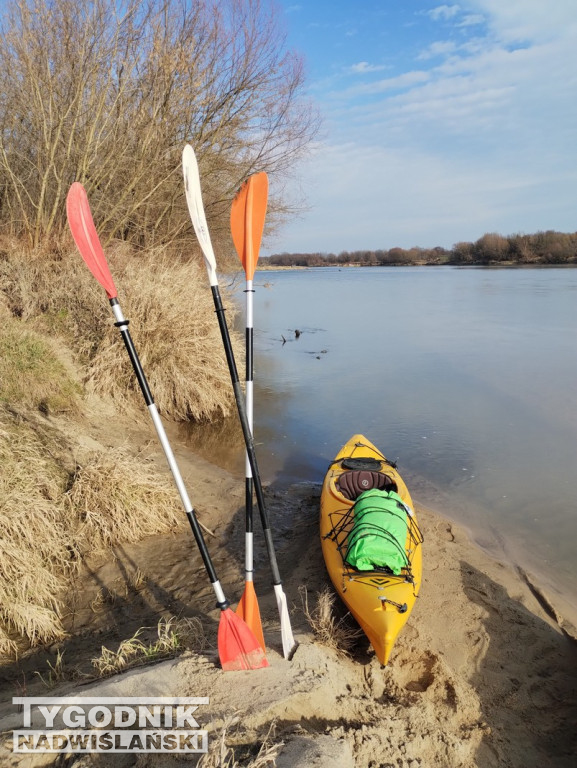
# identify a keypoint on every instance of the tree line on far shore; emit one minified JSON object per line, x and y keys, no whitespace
{"x":540,"y":248}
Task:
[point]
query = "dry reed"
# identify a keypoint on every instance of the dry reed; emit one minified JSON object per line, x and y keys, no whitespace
{"x":115,"y":498}
{"x":33,"y":535}
{"x":173,"y":637}
{"x":176,"y":334}
{"x":51,"y":515}
{"x":50,"y":506}
{"x":169,"y":304}
{"x":221,"y":755}
{"x":329,"y":630}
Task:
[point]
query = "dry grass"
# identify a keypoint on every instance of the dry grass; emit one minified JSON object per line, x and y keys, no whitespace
{"x":34,"y":557}
{"x":176,"y":334}
{"x":221,"y":755}
{"x":173,"y":637}
{"x":173,"y":324}
{"x":51,"y":513}
{"x":57,"y":672}
{"x":53,"y":505}
{"x":31,"y":374}
{"x":328,"y":630}
{"x":115,"y":498}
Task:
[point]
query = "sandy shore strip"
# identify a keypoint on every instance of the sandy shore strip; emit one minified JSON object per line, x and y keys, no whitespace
{"x":484,"y":674}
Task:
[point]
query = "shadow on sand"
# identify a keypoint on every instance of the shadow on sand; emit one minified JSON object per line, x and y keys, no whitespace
{"x":526,"y":682}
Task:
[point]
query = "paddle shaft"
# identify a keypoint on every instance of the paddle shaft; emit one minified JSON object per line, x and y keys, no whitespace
{"x":122,"y":325}
{"x":248,"y":439}
{"x":249,"y":380}
{"x":249,"y":486}
{"x":249,"y":539}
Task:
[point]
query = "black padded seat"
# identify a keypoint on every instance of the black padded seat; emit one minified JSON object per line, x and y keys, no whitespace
{"x":352,"y":484}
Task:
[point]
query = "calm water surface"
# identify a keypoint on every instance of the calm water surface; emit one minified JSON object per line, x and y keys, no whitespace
{"x":467,"y":377}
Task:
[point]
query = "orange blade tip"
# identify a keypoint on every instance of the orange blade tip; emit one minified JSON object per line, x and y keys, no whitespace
{"x":249,"y":612}
{"x":238,"y":648}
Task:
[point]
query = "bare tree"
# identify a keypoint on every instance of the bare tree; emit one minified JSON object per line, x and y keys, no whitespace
{"x":107,"y":92}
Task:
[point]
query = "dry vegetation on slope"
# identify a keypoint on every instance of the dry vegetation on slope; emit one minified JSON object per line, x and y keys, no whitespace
{"x":168,"y":303}
{"x":58,"y":344}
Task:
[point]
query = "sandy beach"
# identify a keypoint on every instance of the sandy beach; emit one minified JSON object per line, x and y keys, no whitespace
{"x":484,"y":674}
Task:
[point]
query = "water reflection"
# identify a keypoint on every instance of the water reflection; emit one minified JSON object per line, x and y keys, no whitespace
{"x":221,"y":443}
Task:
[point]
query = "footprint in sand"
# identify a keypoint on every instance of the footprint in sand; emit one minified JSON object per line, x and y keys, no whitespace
{"x":420,"y":674}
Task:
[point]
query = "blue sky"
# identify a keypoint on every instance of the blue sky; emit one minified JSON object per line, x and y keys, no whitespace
{"x":440,"y":121}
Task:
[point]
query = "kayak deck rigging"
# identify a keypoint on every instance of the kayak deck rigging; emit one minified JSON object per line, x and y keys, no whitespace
{"x":341,"y":524}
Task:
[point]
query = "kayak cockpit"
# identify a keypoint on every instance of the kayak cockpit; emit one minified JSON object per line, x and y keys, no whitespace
{"x":355,"y":481}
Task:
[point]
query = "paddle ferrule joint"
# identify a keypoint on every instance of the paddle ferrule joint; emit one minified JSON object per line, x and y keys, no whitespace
{"x":248,"y":555}
{"x":120,"y":319}
{"x":222,"y":602}
{"x":122,"y":325}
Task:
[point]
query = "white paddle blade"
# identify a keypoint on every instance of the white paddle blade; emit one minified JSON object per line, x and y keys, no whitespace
{"x":288,"y":642}
{"x":196,"y":209}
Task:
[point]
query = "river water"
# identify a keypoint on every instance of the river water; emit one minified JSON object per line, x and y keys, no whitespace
{"x":466,"y":376}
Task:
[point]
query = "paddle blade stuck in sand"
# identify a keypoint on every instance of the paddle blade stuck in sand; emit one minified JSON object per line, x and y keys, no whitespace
{"x":238,"y":647}
{"x":249,"y":612}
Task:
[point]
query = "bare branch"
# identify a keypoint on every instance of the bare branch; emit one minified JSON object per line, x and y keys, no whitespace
{"x":107,"y":93}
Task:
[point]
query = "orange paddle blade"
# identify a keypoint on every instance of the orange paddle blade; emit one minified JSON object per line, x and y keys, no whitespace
{"x":247,"y":218}
{"x":238,"y":648}
{"x":249,"y":612}
{"x":86,"y":238}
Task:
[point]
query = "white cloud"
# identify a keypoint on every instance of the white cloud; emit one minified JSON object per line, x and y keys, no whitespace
{"x":401,"y":82}
{"x":444,"y":12}
{"x":367,"y":196}
{"x":472,"y":19}
{"x":363,"y":66}
{"x":482,"y":91}
{"x":440,"y":48}
{"x":531,"y":20}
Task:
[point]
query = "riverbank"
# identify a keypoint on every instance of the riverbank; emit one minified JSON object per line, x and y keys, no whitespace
{"x":483,"y":674}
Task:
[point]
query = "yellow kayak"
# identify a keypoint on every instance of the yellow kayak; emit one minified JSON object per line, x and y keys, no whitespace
{"x":379,"y":598}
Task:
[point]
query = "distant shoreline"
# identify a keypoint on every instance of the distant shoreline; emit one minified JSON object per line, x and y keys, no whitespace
{"x":491,"y":264}
{"x":548,"y":248}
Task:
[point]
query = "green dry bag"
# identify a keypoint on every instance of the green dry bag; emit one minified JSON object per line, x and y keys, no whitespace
{"x":379,"y":532}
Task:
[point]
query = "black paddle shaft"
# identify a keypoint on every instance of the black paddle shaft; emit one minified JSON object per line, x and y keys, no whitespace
{"x":248,"y":439}
{"x":143,"y":383}
{"x":248,"y":480}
